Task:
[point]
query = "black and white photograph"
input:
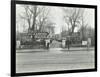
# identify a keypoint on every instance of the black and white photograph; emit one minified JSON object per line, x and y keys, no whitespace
{"x":54,"y":38}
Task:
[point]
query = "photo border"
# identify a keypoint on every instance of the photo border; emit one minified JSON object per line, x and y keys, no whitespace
{"x":13,"y":37}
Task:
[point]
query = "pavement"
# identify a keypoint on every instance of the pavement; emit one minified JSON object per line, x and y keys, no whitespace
{"x":55,"y":49}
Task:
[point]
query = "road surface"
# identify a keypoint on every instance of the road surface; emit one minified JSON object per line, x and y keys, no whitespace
{"x":54,"y":60}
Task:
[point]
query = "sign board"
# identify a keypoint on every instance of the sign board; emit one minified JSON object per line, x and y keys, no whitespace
{"x":36,"y":34}
{"x":40,"y":35}
{"x":84,"y":42}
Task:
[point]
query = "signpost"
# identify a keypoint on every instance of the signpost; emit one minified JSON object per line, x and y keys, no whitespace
{"x":88,"y":43}
{"x":63,"y":43}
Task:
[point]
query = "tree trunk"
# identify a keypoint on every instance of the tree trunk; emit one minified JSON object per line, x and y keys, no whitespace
{"x":34,"y":18}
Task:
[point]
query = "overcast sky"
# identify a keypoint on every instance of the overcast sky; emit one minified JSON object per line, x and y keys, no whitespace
{"x":56,"y":16}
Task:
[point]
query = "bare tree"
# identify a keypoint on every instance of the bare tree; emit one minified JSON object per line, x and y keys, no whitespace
{"x":33,"y":10}
{"x":26,"y":15}
{"x":35,"y":16}
{"x":42,"y":18}
{"x":72,"y":17}
{"x":83,"y":28}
